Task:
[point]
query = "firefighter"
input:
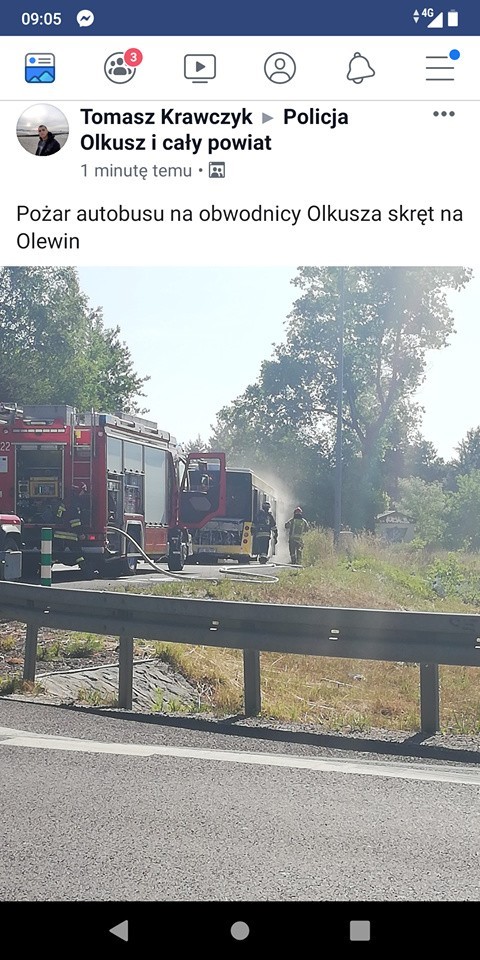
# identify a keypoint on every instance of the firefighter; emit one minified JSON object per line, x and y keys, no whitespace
{"x":264,"y":528}
{"x":71,"y":539}
{"x":297,"y":526}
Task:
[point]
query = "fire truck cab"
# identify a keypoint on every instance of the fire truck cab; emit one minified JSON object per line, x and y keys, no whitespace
{"x":113,"y":488}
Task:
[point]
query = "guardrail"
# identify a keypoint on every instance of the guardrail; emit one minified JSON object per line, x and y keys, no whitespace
{"x":428,"y":639}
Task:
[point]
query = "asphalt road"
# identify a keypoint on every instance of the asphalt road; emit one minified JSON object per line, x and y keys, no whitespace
{"x":71,"y":576}
{"x":150,"y":809}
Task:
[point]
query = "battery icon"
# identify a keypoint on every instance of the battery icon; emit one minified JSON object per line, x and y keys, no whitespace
{"x":452,"y":18}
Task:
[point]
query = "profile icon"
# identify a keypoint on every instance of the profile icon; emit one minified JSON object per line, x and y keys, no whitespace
{"x":42,"y":130}
{"x":280,"y":67}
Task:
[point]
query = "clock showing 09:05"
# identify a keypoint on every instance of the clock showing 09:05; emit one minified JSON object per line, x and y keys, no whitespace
{"x":46,"y":19}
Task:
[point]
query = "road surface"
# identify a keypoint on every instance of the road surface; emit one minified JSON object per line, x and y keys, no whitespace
{"x":72,"y":577}
{"x":153,"y":809}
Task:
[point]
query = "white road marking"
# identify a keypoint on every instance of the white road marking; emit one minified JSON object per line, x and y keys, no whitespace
{"x":374,"y":768}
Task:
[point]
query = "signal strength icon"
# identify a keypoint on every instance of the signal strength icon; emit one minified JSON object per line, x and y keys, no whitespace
{"x":436,"y":23}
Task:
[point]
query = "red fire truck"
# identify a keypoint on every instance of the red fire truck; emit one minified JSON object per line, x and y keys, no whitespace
{"x":107,"y":485}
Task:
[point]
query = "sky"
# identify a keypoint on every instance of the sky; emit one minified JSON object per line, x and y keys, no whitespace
{"x":203,"y":332}
{"x":39,"y":113}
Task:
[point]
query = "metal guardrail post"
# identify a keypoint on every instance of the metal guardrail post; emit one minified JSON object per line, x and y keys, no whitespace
{"x":125,"y":673}
{"x":30,"y":659}
{"x":46,"y":557}
{"x":251,"y":683}
{"x":429,"y":698}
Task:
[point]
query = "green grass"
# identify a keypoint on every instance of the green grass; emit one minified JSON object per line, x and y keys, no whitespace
{"x":76,"y":647}
{"x":95,"y":698}
{"x":164,"y":704}
{"x":48,"y":651}
{"x":83,"y":647}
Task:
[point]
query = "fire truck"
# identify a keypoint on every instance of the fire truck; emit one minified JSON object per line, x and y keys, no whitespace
{"x":10,"y":532}
{"x":112,"y":488}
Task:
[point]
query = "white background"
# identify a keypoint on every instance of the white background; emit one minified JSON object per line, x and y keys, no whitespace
{"x":393,"y":152}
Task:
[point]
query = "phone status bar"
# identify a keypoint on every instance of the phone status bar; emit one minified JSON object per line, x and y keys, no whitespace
{"x":271,"y":18}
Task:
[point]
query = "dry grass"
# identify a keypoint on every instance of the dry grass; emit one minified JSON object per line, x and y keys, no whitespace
{"x":7,"y":644}
{"x":342,"y":694}
{"x":338,"y":694}
{"x":15,"y":684}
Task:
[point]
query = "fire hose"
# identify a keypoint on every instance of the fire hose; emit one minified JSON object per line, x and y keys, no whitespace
{"x":230,"y":571}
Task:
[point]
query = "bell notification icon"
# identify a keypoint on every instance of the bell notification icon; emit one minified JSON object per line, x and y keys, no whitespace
{"x":359,"y":69}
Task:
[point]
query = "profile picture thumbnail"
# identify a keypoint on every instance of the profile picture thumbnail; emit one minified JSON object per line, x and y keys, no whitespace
{"x":42,"y":130}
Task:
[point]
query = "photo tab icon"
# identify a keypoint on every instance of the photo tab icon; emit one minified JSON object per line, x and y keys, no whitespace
{"x":39,"y":68}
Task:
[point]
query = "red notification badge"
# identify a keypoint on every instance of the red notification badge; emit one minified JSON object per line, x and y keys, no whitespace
{"x":133,"y":57}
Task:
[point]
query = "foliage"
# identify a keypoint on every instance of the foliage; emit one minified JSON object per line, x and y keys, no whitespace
{"x":197,"y":445}
{"x":54,"y":349}
{"x":463,"y":522}
{"x":391,"y":318}
{"x":452,"y":577}
{"x":469,"y":451}
{"x":426,"y":504}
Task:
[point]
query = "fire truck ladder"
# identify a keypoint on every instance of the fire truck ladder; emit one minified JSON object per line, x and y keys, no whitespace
{"x":79,"y":461}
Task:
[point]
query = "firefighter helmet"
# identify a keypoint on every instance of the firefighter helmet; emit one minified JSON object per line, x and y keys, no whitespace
{"x":297,"y":512}
{"x":266,"y":505}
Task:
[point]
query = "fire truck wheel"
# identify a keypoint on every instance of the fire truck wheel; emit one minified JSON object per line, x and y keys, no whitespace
{"x":126,"y":567}
{"x":30,"y":567}
{"x":90,"y":569}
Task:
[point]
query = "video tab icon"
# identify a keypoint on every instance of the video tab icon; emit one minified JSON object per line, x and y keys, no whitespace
{"x":40,"y":67}
{"x":200,"y":67}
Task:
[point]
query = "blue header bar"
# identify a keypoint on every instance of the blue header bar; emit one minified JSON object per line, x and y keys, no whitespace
{"x":390,"y":18}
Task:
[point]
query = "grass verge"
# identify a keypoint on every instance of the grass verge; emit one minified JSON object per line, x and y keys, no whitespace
{"x":341,"y":694}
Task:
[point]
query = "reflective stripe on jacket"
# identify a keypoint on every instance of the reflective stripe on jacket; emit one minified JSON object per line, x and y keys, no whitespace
{"x":297,"y":526}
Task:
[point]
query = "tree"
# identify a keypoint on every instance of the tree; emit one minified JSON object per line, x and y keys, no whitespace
{"x":300,"y":469}
{"x":426,"y":504}
{"x":468,"y":451}
{"x":421,"y":459}
{"x":54,"y":349}
{"x":197,"y":445}
{"x":463,"y":528}
{"x":391,"y":317}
